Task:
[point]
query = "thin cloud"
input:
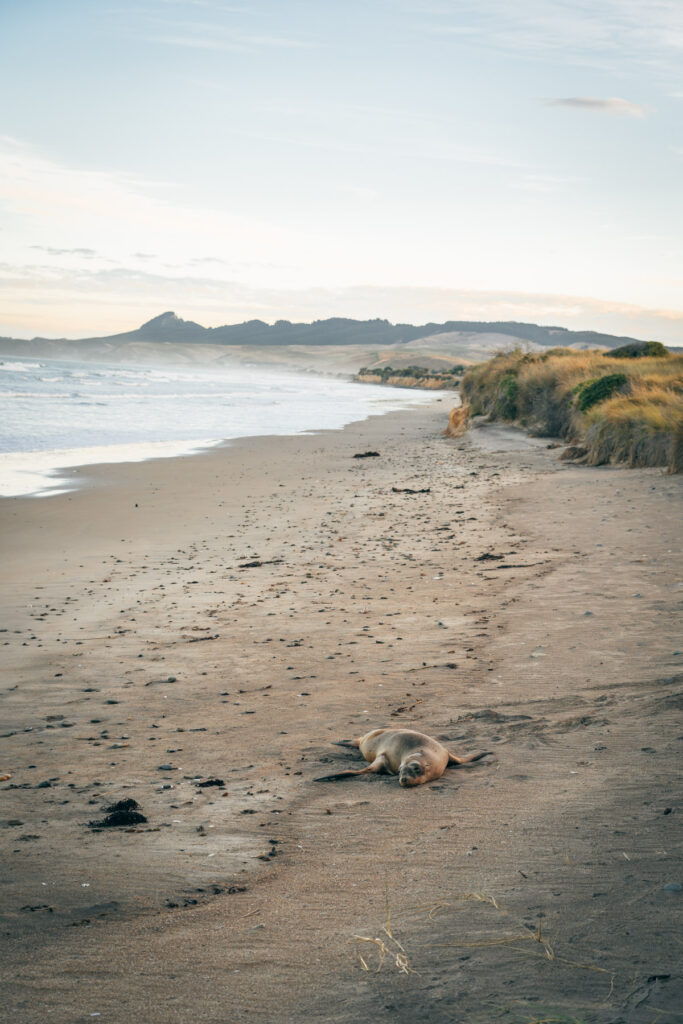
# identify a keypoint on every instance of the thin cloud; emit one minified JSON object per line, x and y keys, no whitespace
{"x":544,"y":183}
{"x":582,"y":33}
{"x":611,"y":105}
{"x":197,"y":43}
{"x":87,"y":253}
{"x":85,"y":301}
{"x":236,"y":42}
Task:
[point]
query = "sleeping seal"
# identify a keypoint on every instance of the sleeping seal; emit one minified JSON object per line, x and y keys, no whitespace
{"x":411,"y":755}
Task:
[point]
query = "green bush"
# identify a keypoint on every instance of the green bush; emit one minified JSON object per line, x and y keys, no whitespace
{"x":639,"y":350}
{"x":505,"y":402}
{"x":590,"y":392}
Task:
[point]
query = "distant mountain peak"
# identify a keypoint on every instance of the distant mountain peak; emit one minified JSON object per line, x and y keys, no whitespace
{"x":163,"y":318}
{"x":170,"y":325}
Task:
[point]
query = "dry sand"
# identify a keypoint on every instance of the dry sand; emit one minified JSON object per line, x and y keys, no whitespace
{"x":141,"y":659}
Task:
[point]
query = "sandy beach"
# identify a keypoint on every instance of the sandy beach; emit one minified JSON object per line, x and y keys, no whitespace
{"x":225,"y":617}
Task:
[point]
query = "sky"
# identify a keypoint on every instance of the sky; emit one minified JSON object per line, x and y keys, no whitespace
{"x":415,"y":160}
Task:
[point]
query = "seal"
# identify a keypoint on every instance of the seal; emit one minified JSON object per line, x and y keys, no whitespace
{"x":411,"y":755}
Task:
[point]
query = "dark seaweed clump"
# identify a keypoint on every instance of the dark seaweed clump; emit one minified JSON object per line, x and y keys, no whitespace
{"x":124,"y":812}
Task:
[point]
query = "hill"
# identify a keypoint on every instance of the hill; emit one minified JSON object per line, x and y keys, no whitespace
{"x":337,"y":345}
{"x":343,"y":331}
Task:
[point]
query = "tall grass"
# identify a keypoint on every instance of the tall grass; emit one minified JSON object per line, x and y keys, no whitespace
{"x":618,"y":409}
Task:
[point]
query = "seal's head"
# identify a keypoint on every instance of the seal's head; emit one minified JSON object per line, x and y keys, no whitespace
{"x":412,"y":773}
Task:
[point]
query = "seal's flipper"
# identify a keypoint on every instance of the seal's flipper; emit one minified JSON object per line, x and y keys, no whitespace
{"x":354,"y":744}
{"x":456,"y":762}
{"x":339,"y":775}
{"x":378,"y":765}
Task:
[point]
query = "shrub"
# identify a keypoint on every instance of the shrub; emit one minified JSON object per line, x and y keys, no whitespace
{"x":639,"y":350}
{"x":505,"y":405}
{"x":591,"y":392}
{"x":643,"y":429}
{"x":617,"y":411}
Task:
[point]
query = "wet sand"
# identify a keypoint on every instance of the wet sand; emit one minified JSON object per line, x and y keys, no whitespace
{"x":521,"y":605}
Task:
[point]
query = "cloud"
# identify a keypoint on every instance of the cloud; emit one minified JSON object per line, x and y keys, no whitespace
{"x":199,"y":43}
{"x":87,"y":253}
{"x":87,"y":303}
{"x":611,"y":105}
{"x":228,"y":41}
{"x":116,"y":214}
{"x":541,"y":183}
{"x":604,"y":34}
{"x":220,"y":266}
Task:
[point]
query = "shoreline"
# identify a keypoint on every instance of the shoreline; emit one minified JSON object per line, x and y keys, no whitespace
{"x":145,"y":645}
{"x":50,"y":471}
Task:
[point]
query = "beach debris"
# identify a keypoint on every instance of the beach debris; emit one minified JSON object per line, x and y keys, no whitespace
{"x":4,"y":778}
{"x":410,"y":490}
{"x":516,"y":565}
{"x":122,"y":813}
{"x":488,"y":557}
{"x":405,"y":707}
{"x":574,"y":453}
{"x":257,"y":563}
{"x":366,"y":455}
{"x":210,"y":782}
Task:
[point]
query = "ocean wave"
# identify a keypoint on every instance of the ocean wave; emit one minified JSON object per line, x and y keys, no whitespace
{"x":122,"y":406}
{"x":20,"y":367}
{"x":39,"y":472}
{"x":35,"y":394}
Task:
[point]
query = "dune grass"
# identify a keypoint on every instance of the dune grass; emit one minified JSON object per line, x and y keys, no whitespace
{"x":458,"y":421}
{"x":627,"y":410}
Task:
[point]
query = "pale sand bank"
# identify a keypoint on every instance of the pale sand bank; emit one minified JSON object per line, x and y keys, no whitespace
{"x":372,"y":607}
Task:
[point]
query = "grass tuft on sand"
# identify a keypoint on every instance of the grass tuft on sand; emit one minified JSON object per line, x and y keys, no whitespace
{"x":627,"y":410}
{"x":458,"y":420}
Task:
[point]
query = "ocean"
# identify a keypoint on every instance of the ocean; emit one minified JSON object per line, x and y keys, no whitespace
{"x":56,"y":414}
